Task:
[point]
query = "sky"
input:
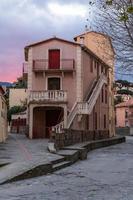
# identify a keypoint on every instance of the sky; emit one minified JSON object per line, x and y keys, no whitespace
{"x":25,"y":21}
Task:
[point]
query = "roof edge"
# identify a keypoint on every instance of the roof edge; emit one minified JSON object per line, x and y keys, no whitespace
{"x":50,"y":39}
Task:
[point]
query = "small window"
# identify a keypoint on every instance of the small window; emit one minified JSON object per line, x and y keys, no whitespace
{"x":54,"y":83}
{"x":104,"y":121}
{"x":102,"y":95}
{"x":106,"y":95}
{"x":101,"y":68}
{"x":2,"y":105}
{"x":91,"y":65}
{"x":95,"y":120}
{"x":126,"y":114}
{"x":95,"y":64}
{"x":106,"y":71}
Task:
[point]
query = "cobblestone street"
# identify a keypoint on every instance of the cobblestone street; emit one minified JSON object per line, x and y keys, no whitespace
{"x":106,"y":174}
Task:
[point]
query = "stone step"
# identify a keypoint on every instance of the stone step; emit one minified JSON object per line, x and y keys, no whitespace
{"x":22,"y":170}
{"x":58,"y":160}
{"x":70,"y":155}
{"x":4,"y":162}
{"x":61,"y":165}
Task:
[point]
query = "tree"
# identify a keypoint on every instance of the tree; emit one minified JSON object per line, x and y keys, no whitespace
{"x":14,"y":110}
{"x":115,"y":18}
{"x":118,"y":99}
{"x":125,"y":91}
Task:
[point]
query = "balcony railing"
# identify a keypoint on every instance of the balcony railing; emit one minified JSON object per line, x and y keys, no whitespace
{"x":48,"y":95}
{"x":43,"y":65}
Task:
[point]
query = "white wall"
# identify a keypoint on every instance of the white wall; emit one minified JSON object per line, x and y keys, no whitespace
{"x":17,"y":96}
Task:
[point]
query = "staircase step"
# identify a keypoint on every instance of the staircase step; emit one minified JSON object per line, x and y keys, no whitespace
{"x":58,"y":161}
{"x":61,"y":165}
{"x":70,"y":155}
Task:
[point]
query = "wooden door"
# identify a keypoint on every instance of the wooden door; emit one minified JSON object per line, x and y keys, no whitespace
{"x":54,"y":59}
{"x":39,"y":123}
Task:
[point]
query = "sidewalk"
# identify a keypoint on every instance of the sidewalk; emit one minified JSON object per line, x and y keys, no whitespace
{"x":19,"y":148}
{"x":24,"y":155}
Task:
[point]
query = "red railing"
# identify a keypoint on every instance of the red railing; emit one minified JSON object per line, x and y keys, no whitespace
{"x":43,"y":65}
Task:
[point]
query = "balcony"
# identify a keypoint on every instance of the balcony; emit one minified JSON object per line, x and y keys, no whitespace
{"x":48,"y":96}
{"x":42,"y":65}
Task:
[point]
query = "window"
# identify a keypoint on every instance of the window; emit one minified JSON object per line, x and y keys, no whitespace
{"x":101,"y":68}
{"x":95,"y":120}
{"x":95,"y":64}
{"x":102,"y":95}
{"x":54,"y":59}
{"x":91,"y":65}
{"x":2,"y":105}
{"x":87,"y":122}
{"x":104,"y":121}
{"x":106,"y":94}
{"x":126,"y":114}
{"x":106,"y":71}
{"x":54,"y":83}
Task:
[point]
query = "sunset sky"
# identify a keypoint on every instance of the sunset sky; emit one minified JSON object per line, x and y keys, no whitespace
{"x":27,"y":21}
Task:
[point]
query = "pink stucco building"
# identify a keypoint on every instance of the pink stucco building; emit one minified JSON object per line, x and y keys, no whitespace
{"x":68,"y":87}
{"x":124,"y":114}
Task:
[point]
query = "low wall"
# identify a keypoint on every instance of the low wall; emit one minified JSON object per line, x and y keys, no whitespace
{"x":70,"y":137}
{"x":123,"y":131}
{"x":20,"y":129}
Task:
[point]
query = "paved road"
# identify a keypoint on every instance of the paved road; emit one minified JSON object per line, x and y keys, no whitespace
{"x":19,"y":148}
{"x":107,"y":174}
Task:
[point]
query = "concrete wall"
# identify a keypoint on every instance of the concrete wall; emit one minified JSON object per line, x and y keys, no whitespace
{"x":131,"y":116}
{"x":123,"y":131}
{"x":88,"y":76}
{"x":120,"y":117}
{"x":3,"y":119}
{"x":100,"y":45}
{"x":17,"y":96}
{"x":88,"y":121}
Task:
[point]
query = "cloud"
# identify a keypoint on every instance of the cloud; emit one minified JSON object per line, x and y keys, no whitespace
{"x":26,"y":21}
{"x":71,"y":10}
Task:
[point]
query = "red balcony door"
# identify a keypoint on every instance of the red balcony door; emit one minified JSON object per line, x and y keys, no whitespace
{"x":54,"y":59}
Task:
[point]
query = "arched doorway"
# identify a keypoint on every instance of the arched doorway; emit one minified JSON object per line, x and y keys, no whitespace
{"x":44,"y":118}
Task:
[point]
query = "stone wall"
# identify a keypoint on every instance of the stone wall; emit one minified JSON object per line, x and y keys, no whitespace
{"x":123,"y":131}
{"x":70,"y":137}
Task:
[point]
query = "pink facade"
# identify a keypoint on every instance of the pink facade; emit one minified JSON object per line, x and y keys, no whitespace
{"x":67,"y":51}
{"x":124,"y":114}
{"x":72,"y":94}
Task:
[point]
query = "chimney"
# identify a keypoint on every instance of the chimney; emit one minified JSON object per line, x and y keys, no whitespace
{"x":82,"y":40}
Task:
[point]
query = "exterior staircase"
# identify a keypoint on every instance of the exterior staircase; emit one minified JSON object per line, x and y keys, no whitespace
{"x":85,"y":107}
